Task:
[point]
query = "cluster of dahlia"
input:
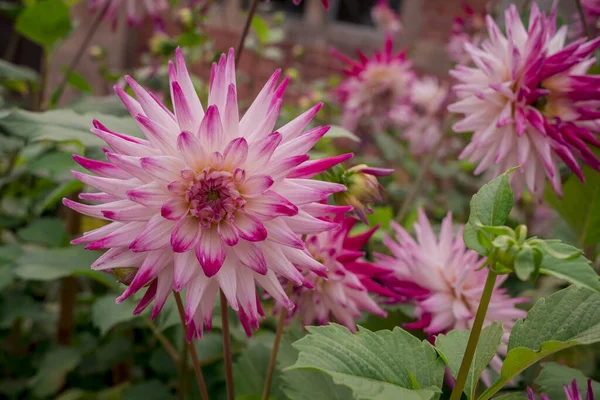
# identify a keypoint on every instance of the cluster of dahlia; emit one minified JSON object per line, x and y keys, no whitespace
{"x":136,"y":10}
{"x":571,"y":392}
{"x":385,"y":18}
{"x":209,"y":201}
{"x":443,"y":279}
{"x":466,"y":29}
{"x":422,"y":117}
{"x":373,"y":88}
{"x":529,"y":102}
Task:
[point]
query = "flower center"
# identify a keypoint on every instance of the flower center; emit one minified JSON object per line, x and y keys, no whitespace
{"x":213,"y":196}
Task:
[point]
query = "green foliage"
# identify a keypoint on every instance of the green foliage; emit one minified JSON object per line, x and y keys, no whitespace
{"x":339,"y":132}
{"x":106,"y":314}
{"x":577,"y":270}
{"x":375,"y":365}
{"x":45,"y":231}
{"x":553,"y":377}
{"x":564,"y":319}
{"x":45,"y":22}
{"x":580,"y":206}
{"x":53,"y":370}
{"x":150,"y":390}
{"x":250,"y":371}
{"x":260,"y":28}
{"x":452,"y":346}
{"x":12,"y":72}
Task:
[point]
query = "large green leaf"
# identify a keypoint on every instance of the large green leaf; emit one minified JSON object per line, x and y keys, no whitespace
{"x":250,"y":371}
{"x":565,"y":319}
{"x":51,"y":264}
{"x":490,"y":206}
{"x":554,"y":376}
{"x":52,"y":372}
{"x":106,"y":313}
{"x":452,"y":349}
{"x":62,"y":125}
{"x":577,"y":270}
{"x":45,"y":22}
{"x":580,"y":206}
{"x":46,"y":231}
{"x":375,"y":365}
{"x":13,"y":72}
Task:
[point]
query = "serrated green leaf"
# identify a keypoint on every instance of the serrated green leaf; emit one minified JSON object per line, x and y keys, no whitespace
{"x":580,"y":206}
{"x":491,"y":205}
{"x":452,"y":346}
{"x":52,"y":372}
{"x":565,"y":319}
{"x":375,"y":365}
{"x":106,"y":314}
{"x":576,"y":270}
{"x":554,"y":376}
{"x":47,"y":231}
{"x":63,"y":125}
{"x":45,"y":22}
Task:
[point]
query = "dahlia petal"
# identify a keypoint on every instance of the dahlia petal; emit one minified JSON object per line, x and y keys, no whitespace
{"x":260,"y":105}
{"x":256,"y":185}
{"x":304,"y":223}
{"x":96,"y":234}
{"x":228,"y":233}
{"x":185,"y":234}
{"x":163,"y":168}
{"x":196,"y":291}
{"x":184,"y":80}
{"x":157,"y":134}
{"x":294,"y":128}
{"x":211,"y":130}
{"x":303,"y":143}
{"x":163,"y":289}
{"x":155,"y":235}
{"x":270,"y":205}
{"x":117,"y":187}
{"x":271,"y":284}
{"x":154,"y":262}
{"x":183,"y":111}
{"x":251,"y":256}
{"x":118,"y":257}
{"x":135,"y":212}
{"x":231,"y":118}
{"x":279,"y":232}
{"x":152,"y":109}
{"x":99,"y":197}
{"x":210,"y":251}
{"x":100,"y":168}
{"x":250,"y":228}
{"x":227,"y":279}
{"x":235,"y":153}
{"x":185,"y":268}
{"x":129,"y":164}
{"x":190,"y":148}
{"x":174,"y":208}
{"x":150,"y":195}
{"x":311,"y":168}
{"x":146,"y":299}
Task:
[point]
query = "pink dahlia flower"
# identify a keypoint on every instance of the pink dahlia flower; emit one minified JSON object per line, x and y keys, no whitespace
{"x":529,"y":102}
{"x":591,"y":11}
{"x":135,"y":10}
{"x":373,"y":88}
{"x":385,"y":18}
{"x":208,"y":200}
{"x":344,"y":293}
{"x":421,"y":118}
{"x":440,"y":277}
{"x":572,"y":392}
{"x":467,"y":29}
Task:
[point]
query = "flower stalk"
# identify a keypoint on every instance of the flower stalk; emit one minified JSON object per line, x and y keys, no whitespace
{"x":240,"y":46}
{"x":463,"y":372}
{"x":227,"y":348}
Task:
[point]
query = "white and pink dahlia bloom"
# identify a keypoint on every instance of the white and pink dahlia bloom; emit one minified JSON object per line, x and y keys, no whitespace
{"x":529,"y":102}
{"x":440,"y":277}
{"x":344,"y":293}
{"x":207,"y":200}
{"x":136,"y":10}
{"x":373,"y":88}
{"x":385,"y":18}
{"x":422,"y":118}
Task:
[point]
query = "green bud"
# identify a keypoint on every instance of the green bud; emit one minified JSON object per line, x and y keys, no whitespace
{"x":125,"y":275}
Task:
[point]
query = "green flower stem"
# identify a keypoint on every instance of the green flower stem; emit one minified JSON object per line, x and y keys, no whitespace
{"x":463,"y":372}
{"x":240,"y":47}
{"x":192,"y":349}
{"x":227,"y":348}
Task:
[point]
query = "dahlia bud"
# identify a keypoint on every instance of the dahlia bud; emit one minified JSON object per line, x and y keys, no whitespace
{"x":363,"y":188}
{"x":125,"y":275}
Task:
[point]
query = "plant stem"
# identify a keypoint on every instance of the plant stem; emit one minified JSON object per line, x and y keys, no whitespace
{"x":192,"y":349}
{"x":273,"y":359}
{"x":463,"y":372}
{"x":86,"y":41}
{"x":586,"y":28}
{"x":183,"y":368}
{"x":169,"y":348}
{"x":240,"y":47}
{"x":227,"y":348}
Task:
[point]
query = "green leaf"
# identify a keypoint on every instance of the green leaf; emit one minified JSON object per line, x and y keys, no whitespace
{"x":55,"y":165}
{"x":575,"y":270}
{"x":77,"y":80}
{"x":512,"y":396}
{"x":565,"y":319}
{"x":51,"y":264}
{"x":524,"y":263}
{"x":580,"y":206}
{"x":250,"y":371}
{"x":260,"y":28}
{"x":375,"y":365}
{"x":452,"y":346}
{"x":53,"y":370}
{"x":47,"y":231}
{"x":106,"y":313}
{"x":45,"y":22}
{"x":13,"y":72}
{"x":150,"y":390}
{"x":56,"y":194}
{"x":62,"y":125}
{"x":339,"y":132}
{"x":554,"y":376}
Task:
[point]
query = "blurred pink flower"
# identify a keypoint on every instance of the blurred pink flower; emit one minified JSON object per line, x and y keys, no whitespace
{"x":440,"y":277}
{"x":208,"y":201}
{"x":325,"y":3}
{"x":529,"y":101}
{"x":373,"y":88}
{"x":385,"y":18}
{"x":466,"y":29}
{"x":421,"y":118}
{"x":591,"y":10}
{"x":344,"y":293}
{"x":135,"y":10}
{"x":572,"y":392}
